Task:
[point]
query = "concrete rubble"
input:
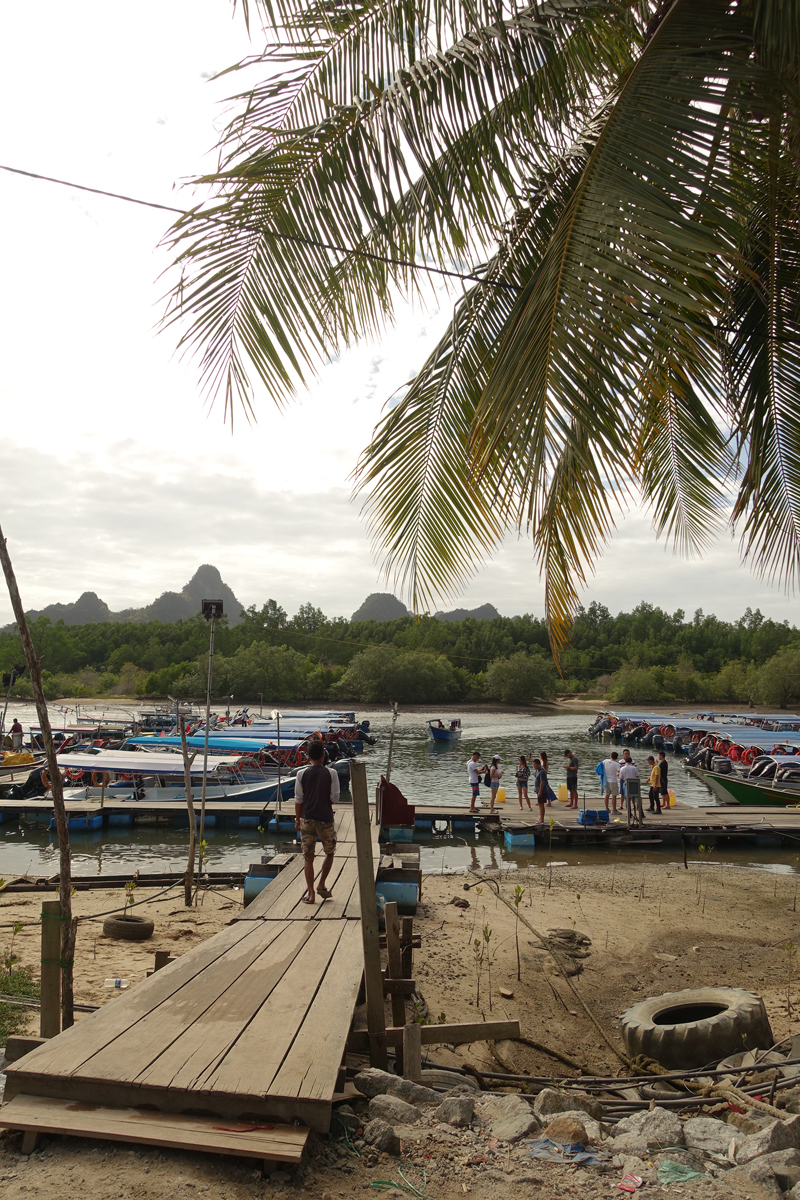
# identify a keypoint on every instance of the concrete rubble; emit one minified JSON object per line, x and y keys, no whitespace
{"x":514,"y":1138}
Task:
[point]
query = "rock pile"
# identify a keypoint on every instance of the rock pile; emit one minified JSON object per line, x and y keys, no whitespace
{"x":509,"y":1138}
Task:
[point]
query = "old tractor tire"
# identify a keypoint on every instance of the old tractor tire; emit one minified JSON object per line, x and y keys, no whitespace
{"x":696,"y":1027}
{"x":128,"y":929}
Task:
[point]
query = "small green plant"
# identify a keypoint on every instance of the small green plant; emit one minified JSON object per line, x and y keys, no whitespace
{"x":9,"y":957}
{"x":791,"y":954}
{"x":477,"y":953}
{"x":519,"y":892}
{"x":15,"y":982}
{"x":487,"y":939}
{"x":130,"y":888}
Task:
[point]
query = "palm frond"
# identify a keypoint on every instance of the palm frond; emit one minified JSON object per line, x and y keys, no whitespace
{"x":765,"y":367}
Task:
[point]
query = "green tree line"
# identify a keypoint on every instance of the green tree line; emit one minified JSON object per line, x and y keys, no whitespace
{"x":644,"y":656}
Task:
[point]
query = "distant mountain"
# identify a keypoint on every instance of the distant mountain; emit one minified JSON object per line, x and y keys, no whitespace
{"x":383,"y":606}
{"x":486,"y":612}
{"x":205,"y":584}
{"x":380,"y":606}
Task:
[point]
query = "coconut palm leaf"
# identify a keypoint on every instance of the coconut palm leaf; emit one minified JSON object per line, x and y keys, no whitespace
{"x":636,"y":165}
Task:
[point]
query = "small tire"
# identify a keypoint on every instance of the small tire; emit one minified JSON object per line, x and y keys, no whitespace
{"x":696,"y":1027}
{"x":128,"y":929}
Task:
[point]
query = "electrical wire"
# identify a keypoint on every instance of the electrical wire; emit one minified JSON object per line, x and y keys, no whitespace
{"x":298,"y":239}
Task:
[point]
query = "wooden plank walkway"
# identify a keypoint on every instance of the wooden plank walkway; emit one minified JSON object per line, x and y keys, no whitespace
{"x":251,"y":1024}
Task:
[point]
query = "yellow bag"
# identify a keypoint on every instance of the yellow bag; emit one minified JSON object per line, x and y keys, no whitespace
{"x":672,"y":800}
{"x":501,"y":795}
{"x":563,"y":793}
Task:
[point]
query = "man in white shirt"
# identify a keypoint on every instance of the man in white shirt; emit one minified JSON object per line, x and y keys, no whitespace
{"x":611,"y":769}
{"x":474,"y":772}
{"x":629,"y":778}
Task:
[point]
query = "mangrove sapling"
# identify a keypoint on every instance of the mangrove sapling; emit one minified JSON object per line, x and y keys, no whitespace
{"x":487,"y":939}
{"x":796,"y":880}
{"x":551,"y":826}
{"x":791,"y":952}
{"x":519,"y":892}
{"x":478,"y":891}
{"x":477,"y":950}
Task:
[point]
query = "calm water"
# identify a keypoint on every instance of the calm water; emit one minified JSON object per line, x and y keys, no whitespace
{"x":426,"y":772}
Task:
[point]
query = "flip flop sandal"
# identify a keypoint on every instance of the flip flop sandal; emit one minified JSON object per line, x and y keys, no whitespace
{"x":324,"y":892}
{"x":308,"y":900}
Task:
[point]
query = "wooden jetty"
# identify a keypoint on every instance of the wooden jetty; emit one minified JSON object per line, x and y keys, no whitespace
{"x":251,"y":1028}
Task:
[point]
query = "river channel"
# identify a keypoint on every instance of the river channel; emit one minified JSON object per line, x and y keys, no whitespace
{"x":426,"y":772}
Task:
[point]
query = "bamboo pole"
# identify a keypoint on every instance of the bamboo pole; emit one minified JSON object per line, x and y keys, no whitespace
{"x":187,"y":783}
{"x":68,"y":925}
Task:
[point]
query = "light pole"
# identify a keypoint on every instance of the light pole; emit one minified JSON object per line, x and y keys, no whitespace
{"x":212,"y":611}
{"x":228,"y":710}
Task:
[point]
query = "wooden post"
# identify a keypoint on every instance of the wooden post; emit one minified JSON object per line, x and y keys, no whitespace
{"x":408,"y":949}
{"x":187,"y":783}
{"x":50,"y":1017}
{"x":412,"y":1051}
{"x":376,"y":1020}
{"x":68,"y":925}
{"x":395,"y":957}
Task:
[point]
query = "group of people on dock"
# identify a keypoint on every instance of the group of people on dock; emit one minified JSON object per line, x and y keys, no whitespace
{"x":538,"y":765}
{"x":622,"y":782}
{"x":620,"y":777}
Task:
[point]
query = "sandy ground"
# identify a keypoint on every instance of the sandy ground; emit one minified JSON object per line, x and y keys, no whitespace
{"x":653,"y":928}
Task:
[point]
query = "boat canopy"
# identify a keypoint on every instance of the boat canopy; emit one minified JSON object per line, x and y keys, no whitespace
{"x":130,"y":762}
{"x":197,"y":742}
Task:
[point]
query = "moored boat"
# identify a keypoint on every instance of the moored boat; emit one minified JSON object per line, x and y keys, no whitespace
{"x":444,"y":731}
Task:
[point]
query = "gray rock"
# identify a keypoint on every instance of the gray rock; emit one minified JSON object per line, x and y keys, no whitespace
{"x":779,"y":1135}
{"x":549,"y":1102}
{"x":715,"y":1137}
{"x":380,"y":1135}
{"x":393,"y":1110}
{"x":631,"y":1164}
{"x":456,"y":1110}
{"x":775,"y":1172}
{"x":656,"y":1128}
{"x":509,"y":1118}
{"x":351,"y":1121}
{"x":373,"y":1082}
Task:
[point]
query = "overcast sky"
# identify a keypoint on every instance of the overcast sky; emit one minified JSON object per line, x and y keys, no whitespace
{"x":115,"y":478}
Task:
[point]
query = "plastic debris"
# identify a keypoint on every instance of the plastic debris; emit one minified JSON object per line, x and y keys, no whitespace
{"x":630,"y":1183}
{"x":670,"y":1171}
{"x":548,"y":1151}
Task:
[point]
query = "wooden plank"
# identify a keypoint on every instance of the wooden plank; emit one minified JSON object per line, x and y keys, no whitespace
{"x":395,"y":957}
{"x":376,"y":1021}
{"x":412,"y":1051}
{"x":50,"y":1013}
{"x":131,"y":1054}
{"x":66,"y":1053}
{"x":17,"y":1046}
{"x":253,"y":1062}
{"x":193,"y":1045}
{"x":311,"y":1067}
{"x":269,"y":895}
{"x":409,"y":942}
{"x":480,"y":1031}
{"x":282,"y":1143}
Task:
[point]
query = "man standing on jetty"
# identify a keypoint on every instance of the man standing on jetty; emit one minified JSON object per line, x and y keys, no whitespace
{"x":474,"y":772}
{"x":315,"y":789}
{"x":571,"y":764}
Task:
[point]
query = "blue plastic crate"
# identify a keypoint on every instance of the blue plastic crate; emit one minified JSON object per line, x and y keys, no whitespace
{"x":397,"y":833}
{"x":588,"y":816}
{"x":519,"y":839}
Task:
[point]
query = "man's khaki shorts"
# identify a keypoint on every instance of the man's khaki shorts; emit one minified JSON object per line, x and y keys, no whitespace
{"x":310,"y":831}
